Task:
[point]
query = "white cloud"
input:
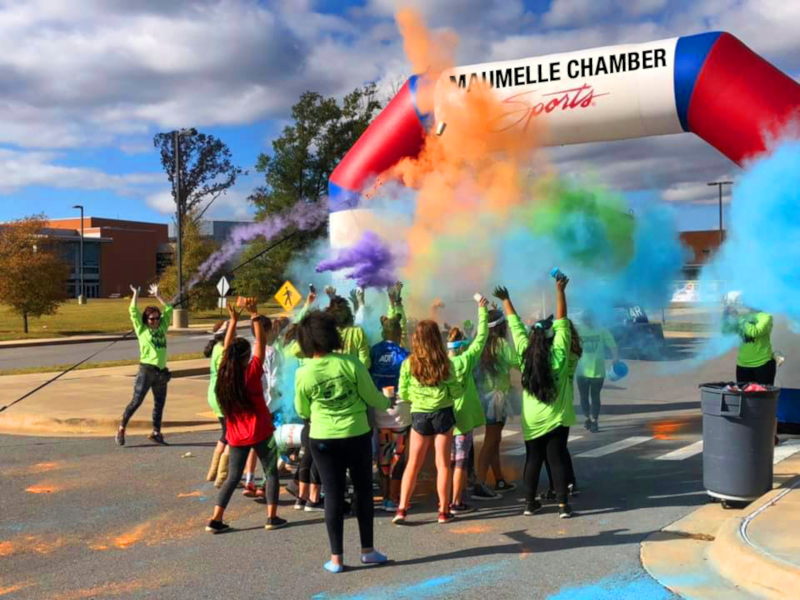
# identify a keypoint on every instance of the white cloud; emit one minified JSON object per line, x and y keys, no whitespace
{"x":231,"y":206}
{"x":21,"y":169}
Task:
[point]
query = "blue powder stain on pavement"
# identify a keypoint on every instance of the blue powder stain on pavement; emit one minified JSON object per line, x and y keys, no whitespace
{"x":441,"y":585}
{"x":634,"y":586}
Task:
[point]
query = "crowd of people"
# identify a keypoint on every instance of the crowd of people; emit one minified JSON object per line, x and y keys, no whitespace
{"x":380,"y":409}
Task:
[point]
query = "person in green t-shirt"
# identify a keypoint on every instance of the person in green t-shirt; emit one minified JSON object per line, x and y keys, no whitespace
{"x":333,"y":391}
{"x":214,"y":351}
{"x":592,"y":368}
{"x":354,"y":340}
{"x":469,"y":413}
{"x":151,"y":330}
{"x":494,"y":386}
{"x":547,"y":411}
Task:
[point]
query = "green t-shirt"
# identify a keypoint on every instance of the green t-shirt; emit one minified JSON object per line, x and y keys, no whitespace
{"x":399,"y":310}
{"x":428,"y":399}
{"x":355,"y":344}
{"x":334,"y":392}
{"x":758,"y":328}
{"x":506,"y":359}
{"x":467,"y":407}
{"x":152,"y":342}
{"x":216,"y":359}
{"x":539,"y":418}
{"x":595,"y":341}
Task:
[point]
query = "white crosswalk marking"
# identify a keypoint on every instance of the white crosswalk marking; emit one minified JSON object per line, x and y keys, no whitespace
{"x":505,"y":433}
{"x":615,"y":447}
{"x":785,"y":450}
{"x":683,"y":453}
{"x":520,"y":450}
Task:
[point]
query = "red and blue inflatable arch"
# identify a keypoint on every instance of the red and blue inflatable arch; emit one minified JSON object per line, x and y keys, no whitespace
{"x":709,"y":84}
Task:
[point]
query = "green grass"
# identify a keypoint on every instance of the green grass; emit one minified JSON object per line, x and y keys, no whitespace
{"x":97,"y":317}
{"x":93,"y":365}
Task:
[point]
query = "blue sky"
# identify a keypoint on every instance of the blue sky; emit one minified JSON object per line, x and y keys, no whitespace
{"x":86,"y":86}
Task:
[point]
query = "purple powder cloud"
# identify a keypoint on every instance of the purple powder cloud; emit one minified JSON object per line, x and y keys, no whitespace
{"x":370,"y":261}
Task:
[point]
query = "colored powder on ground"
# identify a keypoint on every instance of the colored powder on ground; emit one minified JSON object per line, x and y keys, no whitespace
{"x":44,"y":489}
{"x":637,"y":586}
{"x":471,"y":529}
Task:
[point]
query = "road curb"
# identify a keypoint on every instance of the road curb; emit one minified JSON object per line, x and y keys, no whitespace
{"x":749,"y":566}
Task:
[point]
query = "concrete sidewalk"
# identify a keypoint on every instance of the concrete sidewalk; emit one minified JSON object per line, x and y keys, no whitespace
{"x":734,"y":554}
{"x":91,"y":402}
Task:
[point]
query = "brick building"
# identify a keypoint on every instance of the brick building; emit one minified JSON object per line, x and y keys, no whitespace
{"x":116,"y":253}
{"x":703,"y":244}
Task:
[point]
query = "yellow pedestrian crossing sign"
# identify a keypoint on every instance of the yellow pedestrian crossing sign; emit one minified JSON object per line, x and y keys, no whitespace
{"x":288,"y":296}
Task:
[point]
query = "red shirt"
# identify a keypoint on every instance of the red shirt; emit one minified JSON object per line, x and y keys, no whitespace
{"x":247,"y":429}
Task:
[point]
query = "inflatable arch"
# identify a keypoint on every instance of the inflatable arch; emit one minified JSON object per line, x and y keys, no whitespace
{"x":710,"y":84}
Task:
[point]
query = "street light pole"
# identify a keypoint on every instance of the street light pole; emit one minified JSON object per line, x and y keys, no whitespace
{"x":82,"y":295}
{"x":180,"y":315}
{"x":719,"y":184}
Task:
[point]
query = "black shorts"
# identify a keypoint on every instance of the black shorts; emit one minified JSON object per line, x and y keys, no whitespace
{"x":434,"y":423}
{"x":765,"y":374}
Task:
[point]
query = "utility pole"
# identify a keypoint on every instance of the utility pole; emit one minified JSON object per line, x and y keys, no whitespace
{"x":180,"y":317}
{"x":82,"y":294}
{"x":719,"y":184}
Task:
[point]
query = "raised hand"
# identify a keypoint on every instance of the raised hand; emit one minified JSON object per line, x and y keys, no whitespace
{"x":483,"y":303}
{"x":501,"y":293}
{"x":561,"y":283}
{"x":438,"y":303}
{"x":331,"y":291}
{"x":360,"y":293}
{"x":136,"y":290}
{"x":251,"y":304}
{"x":153,"y":289}
{"x":233,"y":313}
{"x":354,"y":300}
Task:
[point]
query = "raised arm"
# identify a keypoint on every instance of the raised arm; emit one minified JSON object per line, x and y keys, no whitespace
{"x":561,"y":297}
{"x":518,"y":333}
{"x":154,"y":291}
{"x":258,"y":329}
{"x":396,"y":308}
{"x":475,"y":349}
{"x":754,"y":326}
{"x":133,"y":311}
{"x":230,"y":334}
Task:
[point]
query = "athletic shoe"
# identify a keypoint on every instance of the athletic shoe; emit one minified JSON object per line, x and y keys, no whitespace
{"x":482,"y":493}
{"x":400,"y":516}
{"x":445,"y":518}
{"x":157,"y":438}
{"x":503,"y":486}
{"x":314,"y":506}
{"x":217,"y":527}
{"x":461,"y":509}
{"x":120,"y":438}
{"x":594,"y":428}
{"x":573,"y":490}
{"x":531,"y":508}
{"x":389,"y":506}
{"x":548,"y":496}
{"x":373,"y":558}
{"x":332,"y":568}
{"x":299,"y":504}
{"x":249,"y":490}
{"x":275,"y":523}
{"x":564,"y":511}
{"x":587,"y":424}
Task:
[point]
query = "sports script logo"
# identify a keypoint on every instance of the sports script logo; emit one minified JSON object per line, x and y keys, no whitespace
{"x":526,"y":105}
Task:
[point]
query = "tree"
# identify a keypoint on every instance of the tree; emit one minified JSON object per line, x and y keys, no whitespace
{"x":207,"y":168}
{"x":196,"y":251}
{"x":303,"y":158}
{"x":33,"y":275}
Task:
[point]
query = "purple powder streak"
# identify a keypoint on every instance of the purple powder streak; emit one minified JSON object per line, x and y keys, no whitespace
{"x":371,"y":262}
{"x":303,"y":215}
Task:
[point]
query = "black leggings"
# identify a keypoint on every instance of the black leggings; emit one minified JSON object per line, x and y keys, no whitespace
{"x":553,"y":446}
{"x":765,"y":374}
{"x":570,"y":469}
{"x":223,"y":437}
{"x":307,"y":471}
{"x":334,"y":458}
{"x":590,"y":386}
{"x":148,"y":378}
{"x":267,"y":452}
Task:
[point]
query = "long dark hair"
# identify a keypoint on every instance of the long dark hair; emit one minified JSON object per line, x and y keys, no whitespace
{"x":537,"y":376}
{"x":577,"y":343}
{"x":497,"y":334}
{"x":231,"y":393}
{"x":149,"y":311}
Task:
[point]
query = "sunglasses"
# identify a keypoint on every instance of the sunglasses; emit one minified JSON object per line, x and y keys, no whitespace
{"x":153,"y":319}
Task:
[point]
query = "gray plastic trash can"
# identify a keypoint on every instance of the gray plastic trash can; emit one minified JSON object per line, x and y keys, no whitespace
{"x":738,"y":443}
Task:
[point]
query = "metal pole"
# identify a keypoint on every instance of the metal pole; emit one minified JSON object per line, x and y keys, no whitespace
{"x":179,"y":204}
{"x":83,"y":284}
{"x":720,"y":214}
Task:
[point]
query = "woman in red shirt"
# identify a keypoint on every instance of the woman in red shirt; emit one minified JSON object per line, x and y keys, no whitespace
{"x":248,"y":421}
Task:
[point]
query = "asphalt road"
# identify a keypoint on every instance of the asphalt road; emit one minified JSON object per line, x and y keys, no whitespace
{"x":82,"y":518}
{"x":45,"y":356}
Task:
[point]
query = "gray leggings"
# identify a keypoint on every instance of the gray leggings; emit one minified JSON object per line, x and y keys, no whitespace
{"x":148,"y":378}
{"x":267,"y":452}
{"x":590,"y":386}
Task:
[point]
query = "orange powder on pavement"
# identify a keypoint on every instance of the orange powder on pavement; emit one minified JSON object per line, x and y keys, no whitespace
{"x":666,"y":430}
{"x":43,"y":467}
{"x":13,"y":588}
{"x":43,"y":489}
{"x":191,"y":495}
{"x":31,"y":544}
{"x":472,"y":529}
